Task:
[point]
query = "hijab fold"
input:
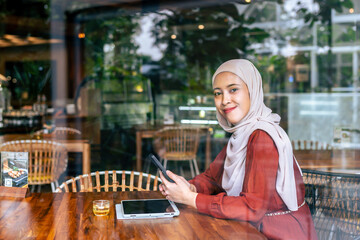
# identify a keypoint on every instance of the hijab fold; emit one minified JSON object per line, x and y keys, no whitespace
{"x":258,"y":117}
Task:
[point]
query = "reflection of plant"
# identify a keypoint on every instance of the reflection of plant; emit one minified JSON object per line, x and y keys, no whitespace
{"x":31,"y":79}
{"x":348,"y":35}
{"x":346,"y":74}
{"x":324,"y":15}
{"x":199,"y":40}
{"x":120,"y":60}
{"x":300,"y":36}
{"x":273,"y":71}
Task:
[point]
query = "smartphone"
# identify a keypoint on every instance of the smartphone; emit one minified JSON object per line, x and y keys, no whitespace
{"x":160,"y":167}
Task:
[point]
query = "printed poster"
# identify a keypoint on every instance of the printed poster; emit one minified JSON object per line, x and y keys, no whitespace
{"x":14,"y":169}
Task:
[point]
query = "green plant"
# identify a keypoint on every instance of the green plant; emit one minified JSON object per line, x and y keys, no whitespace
{"x":323,"y":14}
{"x":198,"y":40}
{"x":31,"y":79}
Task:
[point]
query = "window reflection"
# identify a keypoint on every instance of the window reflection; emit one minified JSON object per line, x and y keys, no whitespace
{"x":108,"y":67}
{"x":115,"y":69}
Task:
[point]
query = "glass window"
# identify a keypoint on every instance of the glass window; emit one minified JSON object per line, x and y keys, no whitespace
{"x":116,"y":69}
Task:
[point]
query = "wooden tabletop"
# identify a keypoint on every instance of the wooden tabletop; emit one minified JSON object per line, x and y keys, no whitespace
{"x":70,"y":216}
{"x":335,"y":160}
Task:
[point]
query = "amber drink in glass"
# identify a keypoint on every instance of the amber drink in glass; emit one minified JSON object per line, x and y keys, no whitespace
{"x":101,"y":207}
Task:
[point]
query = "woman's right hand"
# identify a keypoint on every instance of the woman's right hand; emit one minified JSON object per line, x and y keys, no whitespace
{"x":192,"y":188}
{"x":181,"y":191}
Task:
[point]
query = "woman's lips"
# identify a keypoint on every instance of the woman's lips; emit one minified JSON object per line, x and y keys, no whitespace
{"x":227,"y":110}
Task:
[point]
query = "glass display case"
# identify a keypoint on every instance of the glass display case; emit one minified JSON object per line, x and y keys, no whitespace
{"x":190,"y":108}
{"x":126,"y":103}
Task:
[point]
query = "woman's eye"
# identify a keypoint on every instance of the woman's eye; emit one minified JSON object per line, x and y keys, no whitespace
{"x":233,"y":90}
{"x":216,"y":94}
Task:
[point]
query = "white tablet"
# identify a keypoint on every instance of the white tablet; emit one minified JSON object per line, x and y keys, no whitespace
{"x":146,"y":208}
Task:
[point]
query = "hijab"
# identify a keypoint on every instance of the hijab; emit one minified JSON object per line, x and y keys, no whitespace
{"x":258,"y":117}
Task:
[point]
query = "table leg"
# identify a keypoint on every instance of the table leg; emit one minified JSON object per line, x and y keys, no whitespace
{"x":138,"y":151}
{"x":86,"y":155}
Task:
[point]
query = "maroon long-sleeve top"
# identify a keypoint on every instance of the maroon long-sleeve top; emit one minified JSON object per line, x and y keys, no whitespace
{"x":258,"y":196}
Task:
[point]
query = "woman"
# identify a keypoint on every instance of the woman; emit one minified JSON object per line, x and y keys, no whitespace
{"x":255,"y":177}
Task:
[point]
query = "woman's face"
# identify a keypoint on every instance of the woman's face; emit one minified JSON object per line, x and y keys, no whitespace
{"x":231,"y":96}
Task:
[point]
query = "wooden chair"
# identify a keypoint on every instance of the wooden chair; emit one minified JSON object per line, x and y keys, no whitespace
{"x":64,"y":133}
{"x":115,"y":180}
{"x":334,"y":201}
{"x":310,"y":145}
{"x":47,"y":160}
{"x":178,"y":144}
{"x":60,"y":131}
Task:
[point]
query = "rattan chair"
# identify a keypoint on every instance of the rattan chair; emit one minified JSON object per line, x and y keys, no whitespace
{"x":65,"y":133}
{"x":310,"y":145}
{"x":178,"y":144}
{"x":60,"y":131}
{"x":106,"y":181}
{"x":334,"y":201}
{"x":47,"y":160}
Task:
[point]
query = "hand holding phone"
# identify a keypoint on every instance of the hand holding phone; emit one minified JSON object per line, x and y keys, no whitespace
{"x":160,"y":167}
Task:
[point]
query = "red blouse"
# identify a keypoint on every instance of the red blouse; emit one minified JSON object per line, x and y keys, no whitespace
{"x":258,"y":196}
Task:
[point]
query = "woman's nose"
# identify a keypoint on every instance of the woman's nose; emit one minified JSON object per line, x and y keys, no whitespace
{"x":226,"y":98}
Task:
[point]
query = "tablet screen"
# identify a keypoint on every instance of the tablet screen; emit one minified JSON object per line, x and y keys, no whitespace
{"x":147,"y":206}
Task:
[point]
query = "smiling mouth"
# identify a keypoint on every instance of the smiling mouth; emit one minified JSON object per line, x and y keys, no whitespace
{"x":227,"y":110}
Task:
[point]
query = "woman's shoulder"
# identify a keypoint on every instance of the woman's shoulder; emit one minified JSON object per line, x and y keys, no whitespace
{"x":260,"y":136}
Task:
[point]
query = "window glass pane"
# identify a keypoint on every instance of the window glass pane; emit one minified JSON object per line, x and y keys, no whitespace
{"x":120,"y":71}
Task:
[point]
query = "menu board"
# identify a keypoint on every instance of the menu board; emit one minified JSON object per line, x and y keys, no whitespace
{"x":14,"y":169}
{"x":346,"y":135}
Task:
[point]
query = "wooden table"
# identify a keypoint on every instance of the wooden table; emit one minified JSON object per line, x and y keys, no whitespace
{"x":148,"y":131}
{"x":71,"y":143}
{"x":70,"y":216}
{"x":336,"y":160}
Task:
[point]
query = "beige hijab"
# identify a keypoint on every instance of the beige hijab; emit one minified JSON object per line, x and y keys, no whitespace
{"x":258,"y":117}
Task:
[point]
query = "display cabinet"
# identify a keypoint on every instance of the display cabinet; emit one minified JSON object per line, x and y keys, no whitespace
{"x":126,"y":104}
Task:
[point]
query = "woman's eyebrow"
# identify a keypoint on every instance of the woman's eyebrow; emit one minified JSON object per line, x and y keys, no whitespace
{"x":228,"y":86}
{"x":233,"y":84}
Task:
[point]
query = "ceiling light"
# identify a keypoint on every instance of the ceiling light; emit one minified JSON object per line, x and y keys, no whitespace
{"x":2,"y":77}
{"x":81,"y":35}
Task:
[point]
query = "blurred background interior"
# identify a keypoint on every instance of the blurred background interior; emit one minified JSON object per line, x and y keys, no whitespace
{"x":114,"y":69}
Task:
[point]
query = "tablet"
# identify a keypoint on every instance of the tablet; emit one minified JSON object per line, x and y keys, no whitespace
{"x":146,"y":208}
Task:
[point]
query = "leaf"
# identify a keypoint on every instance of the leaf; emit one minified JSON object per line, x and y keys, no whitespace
{"x":348,"y":4}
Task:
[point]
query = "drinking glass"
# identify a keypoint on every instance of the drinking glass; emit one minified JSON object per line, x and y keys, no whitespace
{"x":101,"y":207}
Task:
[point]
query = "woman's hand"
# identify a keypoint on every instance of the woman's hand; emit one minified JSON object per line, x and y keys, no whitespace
{"x":181,"y":191}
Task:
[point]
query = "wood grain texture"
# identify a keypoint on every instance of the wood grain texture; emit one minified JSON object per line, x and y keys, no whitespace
{"x":16,"y":192}
{"x":335,"y":160}
{"x":70,"y":216}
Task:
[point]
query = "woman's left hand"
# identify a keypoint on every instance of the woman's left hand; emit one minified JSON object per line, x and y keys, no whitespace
{"x":180,"y":191}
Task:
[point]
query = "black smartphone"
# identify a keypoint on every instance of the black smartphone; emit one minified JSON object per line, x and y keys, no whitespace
{"x":160,"y":167}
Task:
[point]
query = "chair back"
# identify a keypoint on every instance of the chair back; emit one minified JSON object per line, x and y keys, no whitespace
{"x":310,"y":145}
{"x":334,"y":202}
{"x":105,"y":181}
{"x":47,"y":159}
{"x":177,"y":143}
{"x":61,"y":131}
